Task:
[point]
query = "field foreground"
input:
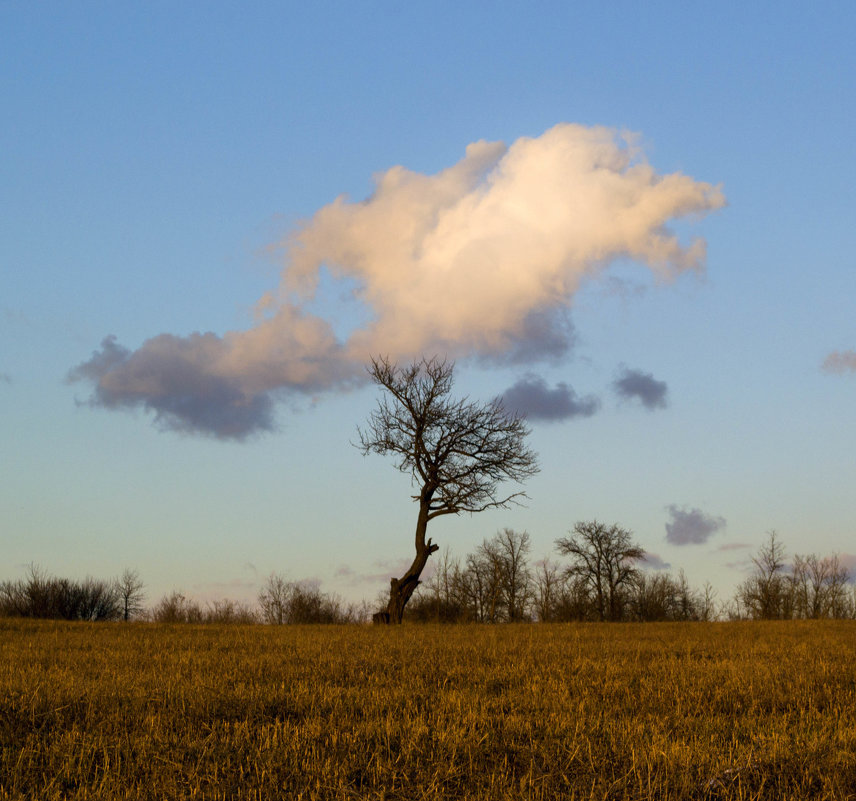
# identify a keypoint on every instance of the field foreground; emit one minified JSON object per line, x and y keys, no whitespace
{"x":638,"y":711}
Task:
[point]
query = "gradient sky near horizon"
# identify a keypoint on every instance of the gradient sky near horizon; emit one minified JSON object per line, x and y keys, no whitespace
{"x":171,"y":239}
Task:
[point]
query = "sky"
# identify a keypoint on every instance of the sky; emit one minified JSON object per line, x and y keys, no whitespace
{"x":634,"y":223}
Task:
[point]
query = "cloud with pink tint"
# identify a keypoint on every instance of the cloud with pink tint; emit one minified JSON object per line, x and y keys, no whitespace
{"x":480,"y":260}
{"x":386,"y":569}
{"x":840,"y":361}
{"x":655,"y":561}
{"x":848,"y":561}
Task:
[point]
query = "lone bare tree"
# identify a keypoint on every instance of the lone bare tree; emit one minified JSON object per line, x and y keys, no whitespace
{"x":603,"y":557}
{"x":456,"y":451}
{"x":131,"y":593}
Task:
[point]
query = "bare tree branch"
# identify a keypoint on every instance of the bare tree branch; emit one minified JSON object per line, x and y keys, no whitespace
{"x":603,"y":557}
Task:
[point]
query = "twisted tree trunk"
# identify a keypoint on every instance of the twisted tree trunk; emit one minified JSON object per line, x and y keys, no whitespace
{"x":400,"y":589}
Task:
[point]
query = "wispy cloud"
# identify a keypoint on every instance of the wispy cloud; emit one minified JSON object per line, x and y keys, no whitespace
{"x":840,"y":361}
{"x":532,"y":397}
{"x":634,"y":384}
{"x":383,"y":570}
{"x":655,"y":561}
{"x":477,"y":261}
{"x":5,"y":378}
{"x":17,"y":316}
{"x":691,"y":526}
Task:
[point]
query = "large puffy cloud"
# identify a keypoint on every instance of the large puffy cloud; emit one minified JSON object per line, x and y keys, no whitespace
{"x":479,"y":260}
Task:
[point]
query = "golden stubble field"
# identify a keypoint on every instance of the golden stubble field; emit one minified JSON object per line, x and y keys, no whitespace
{"x":580,"y":711}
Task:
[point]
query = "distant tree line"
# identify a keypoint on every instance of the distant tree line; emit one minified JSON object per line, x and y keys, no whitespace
{"x":279,"y":602}
{"x":496,"y":583}
{"x":601,"y":580}
{"x":40,"y":595}
{"x":809,"y":587}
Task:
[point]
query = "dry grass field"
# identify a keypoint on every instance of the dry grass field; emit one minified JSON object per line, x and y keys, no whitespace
{"x":637,"y":711}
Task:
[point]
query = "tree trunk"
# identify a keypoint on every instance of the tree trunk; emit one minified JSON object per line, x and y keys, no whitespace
{"x":400,"y":589}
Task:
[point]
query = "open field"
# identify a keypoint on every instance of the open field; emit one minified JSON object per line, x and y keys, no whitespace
{"x":720,"y":710}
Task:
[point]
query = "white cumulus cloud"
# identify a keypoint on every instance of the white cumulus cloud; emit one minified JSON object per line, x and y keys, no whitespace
{"x":478,"y":260}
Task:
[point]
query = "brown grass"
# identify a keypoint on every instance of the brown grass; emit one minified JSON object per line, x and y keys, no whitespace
{"x":654,"y":711}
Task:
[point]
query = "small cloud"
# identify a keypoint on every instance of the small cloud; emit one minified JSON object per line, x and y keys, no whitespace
{"x":344,"y":572}
{"x":531,"y":397}
{"x":691,"y":527}
{"x":5,"y":378}
{"x":15,"y":316}
{"x":840,"y":361}
{"x":734,"y":546}
{"x":386,"y":569}
{"x":655,"y":561}
{"x":643,"y":387}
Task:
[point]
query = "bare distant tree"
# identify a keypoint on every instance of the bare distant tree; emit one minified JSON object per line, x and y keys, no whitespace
{"x":131,"y":596}
{"x":512,"y":549}
{"x":548,"y":590}
{"x":229,"y":611}
{"x":603,"y":556}
{"x":176,"y":608}
{"x":654,"y":596}
{"x":819,"y":586}
{"x":576,"y":599}
{"x":442,"y":583}
{"x":40,"y":595}
{"x":457,"y":452}
{"x":440,"y":599}
{"x":283,"y":601}
{"x":97,"y":600}
{"x":808,"y":579}
{"x":688,"y":599}
{"x":707,"y":603}
{"x":839,"y":578}
{"x":768,"y":593}
{"x":273,"y":599}
{"x":479,"y":584}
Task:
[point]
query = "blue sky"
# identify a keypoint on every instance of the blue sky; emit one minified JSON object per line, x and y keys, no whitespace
{"x":155,"y":157}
